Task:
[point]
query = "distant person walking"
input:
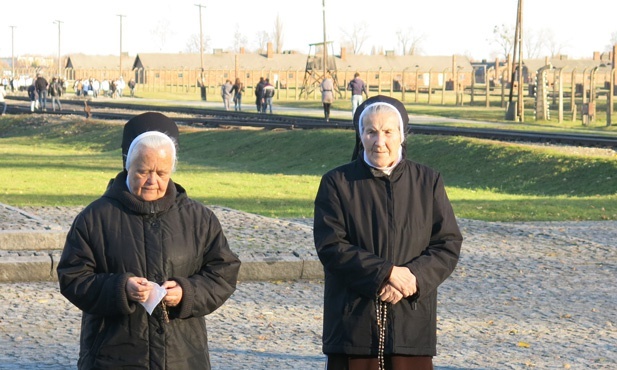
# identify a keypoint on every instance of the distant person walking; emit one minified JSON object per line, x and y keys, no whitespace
{"x":105,"y":88}
{"x":113,"y":89}
{"x":34,"y":97}
{"x":226,"y":94}
{"x":357,"y":88}
{"x":132,"y":85}
{"x":55,"y":90}
{"x":120,"y":86}
{"x":327,"y":95}
{"x":2,"y":100}
{"x":41,"y":85}
{"x":268,"y":96}
{"x":85,"y":87}
{"x":259,"y":94}
{"x":237,"y":89}
{"x":95,"y":85}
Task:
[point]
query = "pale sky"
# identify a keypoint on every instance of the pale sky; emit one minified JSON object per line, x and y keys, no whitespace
{"x":447,"y":27}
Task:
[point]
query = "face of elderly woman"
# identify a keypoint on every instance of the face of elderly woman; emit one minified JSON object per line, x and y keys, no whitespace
{"x":149,"y":172}
{"x":381,"y":137}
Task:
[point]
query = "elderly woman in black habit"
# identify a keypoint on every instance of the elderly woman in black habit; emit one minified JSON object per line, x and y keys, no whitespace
{"x":143,"y":239}
{"x":387,"y":237}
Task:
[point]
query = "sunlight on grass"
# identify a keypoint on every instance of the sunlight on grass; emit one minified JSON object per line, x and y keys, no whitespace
{"x":276,"y":173}
{"x":492,"y":206}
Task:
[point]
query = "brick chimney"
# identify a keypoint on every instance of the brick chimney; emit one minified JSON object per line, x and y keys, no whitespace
{"x":269,"y":51}
{"x":596,"y":55}
{"x":242,"y":50}
{"x":343,"y":53}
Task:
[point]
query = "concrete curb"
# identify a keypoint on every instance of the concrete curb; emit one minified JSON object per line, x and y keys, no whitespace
{"x":285,"y":268}
{"x":32,"y":268}
{"x":32,"y":240}
{"x":43,"y":267}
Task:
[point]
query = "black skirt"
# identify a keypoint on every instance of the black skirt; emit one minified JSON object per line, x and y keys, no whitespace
{"x":396,"y":362}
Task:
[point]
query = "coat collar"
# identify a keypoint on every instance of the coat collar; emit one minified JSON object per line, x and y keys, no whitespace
{"x":371,"y":172}
{"x":117,"y":189}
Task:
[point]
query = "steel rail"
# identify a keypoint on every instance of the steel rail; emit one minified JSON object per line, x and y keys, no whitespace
{"x":204,"y":117}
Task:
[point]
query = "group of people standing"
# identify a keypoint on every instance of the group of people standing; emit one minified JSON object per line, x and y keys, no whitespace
{"x":233,"y":93}
{"x":40,"y":89}
{"x":264,"y":93}
{"x":92,"y":87}
{"x":356,"y":86}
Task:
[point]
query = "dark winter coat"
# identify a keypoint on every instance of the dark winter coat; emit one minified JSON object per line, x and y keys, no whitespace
{"x":259,"y":91}
{"x":41,"y":84}
{"x":364,"y":225}
{"x":237,"y":89}
{"x":269,"y":90}
{"x":55,"y":89}
{"x":174,"y":238}
{"x":32,"y":93}
{"x":357,"y":87}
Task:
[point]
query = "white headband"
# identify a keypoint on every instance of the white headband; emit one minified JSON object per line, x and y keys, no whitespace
{"x":398,"y":114}
{"x":144,"y":135}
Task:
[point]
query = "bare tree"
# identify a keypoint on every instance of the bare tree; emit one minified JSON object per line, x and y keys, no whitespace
{"x":377,"y":50}
{"x":357,"y":37}
{"x":262,"y":41}
{"x":161,"y":32}
{"x":551,"y":44}
{"x":503,"y":37}
{"x":277,"y":35}
{"x":533,"y":43}
{"x":240,"y":40}
{"x":410,"y":41}
{"x":192,"y":44}
{"x":612,"y":42}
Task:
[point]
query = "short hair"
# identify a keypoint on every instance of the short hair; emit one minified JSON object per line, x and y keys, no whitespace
{"x":151,"y":140}
{"x":356,"y":74}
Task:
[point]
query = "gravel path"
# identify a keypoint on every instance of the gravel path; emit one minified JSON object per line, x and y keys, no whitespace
{"x":525,"y":295}
{"x":251,"y":236}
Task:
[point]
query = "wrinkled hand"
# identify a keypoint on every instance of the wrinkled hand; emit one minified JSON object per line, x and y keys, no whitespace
{"x":174,"y":293}
{"x":138,"y":289}
{"x":403,"y":280}
{"x":389,"y":294}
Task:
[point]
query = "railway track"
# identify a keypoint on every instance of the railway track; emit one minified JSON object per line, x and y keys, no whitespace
{"x":203,"y":117}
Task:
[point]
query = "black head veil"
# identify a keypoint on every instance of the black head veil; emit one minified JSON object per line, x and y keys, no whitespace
{"x":149,"y":121}
{"x":368,"y":102}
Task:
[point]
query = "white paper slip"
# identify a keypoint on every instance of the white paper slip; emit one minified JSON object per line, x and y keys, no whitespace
{"x":156,"y":295}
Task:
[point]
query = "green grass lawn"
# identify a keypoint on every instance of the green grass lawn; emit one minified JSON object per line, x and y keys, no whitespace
{"x":53,"y":161}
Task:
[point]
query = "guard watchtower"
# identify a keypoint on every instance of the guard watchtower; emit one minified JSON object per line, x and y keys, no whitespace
{"x":316,"y":69}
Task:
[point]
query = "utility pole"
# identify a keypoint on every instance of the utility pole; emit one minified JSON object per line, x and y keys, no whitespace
{"x":325,"y":46}
{"x":517,"y":66}
{"x":59,"y":62}
{"x":521,"y":100}
{"x":12,"y":51}
{"x":201,"y":54}
{"x":611,"y":90}
{"x":121,"y":16}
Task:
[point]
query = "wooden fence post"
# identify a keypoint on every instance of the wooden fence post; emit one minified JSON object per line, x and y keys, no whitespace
{"x":560,"y":106}
{"x":443,"y":87}
{"x":473,"y":84}
{"x":487,"y":87}
{"x":417,"y":84}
